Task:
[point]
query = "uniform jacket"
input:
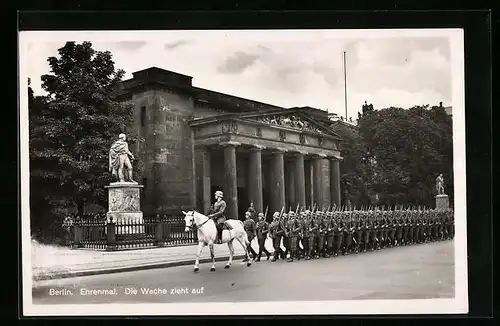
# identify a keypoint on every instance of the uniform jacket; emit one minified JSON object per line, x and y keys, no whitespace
{"x":262,"y":227}
{"x":274,"y":229}
{"x":217,"y":210}
{"x":249,"y":226}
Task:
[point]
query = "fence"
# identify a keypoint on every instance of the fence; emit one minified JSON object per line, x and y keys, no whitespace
{"x":156,"y":231}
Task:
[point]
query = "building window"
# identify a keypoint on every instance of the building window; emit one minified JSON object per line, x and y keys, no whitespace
{"x":143,"y":116}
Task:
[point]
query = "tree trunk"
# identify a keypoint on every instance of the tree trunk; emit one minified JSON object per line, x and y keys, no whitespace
{"x":80,"y":206}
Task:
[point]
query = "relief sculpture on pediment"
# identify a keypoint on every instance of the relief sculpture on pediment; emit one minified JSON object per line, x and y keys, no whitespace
{"x":290,"y":121}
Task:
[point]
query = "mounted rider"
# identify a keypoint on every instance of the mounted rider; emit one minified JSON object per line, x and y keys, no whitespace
{"x":216,"y":212}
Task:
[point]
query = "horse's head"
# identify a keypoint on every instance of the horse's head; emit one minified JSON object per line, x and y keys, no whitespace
{"x":189,"y":220}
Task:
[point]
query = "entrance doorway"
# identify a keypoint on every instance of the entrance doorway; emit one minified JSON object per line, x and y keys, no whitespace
{"x":243,"y":203}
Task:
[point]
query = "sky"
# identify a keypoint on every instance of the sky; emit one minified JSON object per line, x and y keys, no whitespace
{"x":283,"y":68}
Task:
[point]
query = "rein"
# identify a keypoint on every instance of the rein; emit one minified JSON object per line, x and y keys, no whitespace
{"x":198,"y":226}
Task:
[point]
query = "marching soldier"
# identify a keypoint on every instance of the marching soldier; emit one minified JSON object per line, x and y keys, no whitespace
{"x":322,"y":228}
{"x":358,"y":231}
{"x":330,"y":234}
{"x":399,"y":228}
{"x":308,"y":235}
{"x":276,"y":234}
{"x":249,"y":226}
{"x":339,"y":234}
{"x":252,"y":212}
{"x":300,"y":237}
{"x":367,"y":230}
{"x":292,"y":229}
{"x":392,"y":230}
{"x":262,"y":230}
{"x":286,"y":238}
{"x":315,"y":231}
{"x":348,"y":234}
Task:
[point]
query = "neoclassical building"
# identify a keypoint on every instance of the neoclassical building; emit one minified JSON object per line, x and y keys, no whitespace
{"x":196,"y":141}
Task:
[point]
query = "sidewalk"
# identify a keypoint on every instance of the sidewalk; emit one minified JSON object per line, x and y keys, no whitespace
{"x":51,"y":262}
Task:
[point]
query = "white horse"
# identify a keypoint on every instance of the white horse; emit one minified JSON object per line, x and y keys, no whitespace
{"x":207,"y":232}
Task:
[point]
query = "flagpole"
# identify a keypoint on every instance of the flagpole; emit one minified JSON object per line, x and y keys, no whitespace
{"x":345,"y":88}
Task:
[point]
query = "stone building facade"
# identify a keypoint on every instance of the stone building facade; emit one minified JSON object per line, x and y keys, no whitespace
{"x":197,"y":141}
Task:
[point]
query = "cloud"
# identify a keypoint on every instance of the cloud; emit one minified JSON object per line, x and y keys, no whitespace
{"x":288,"y":69}
{"x":175,"y":44}
{"x":237,"y":62}
{"x":130,"y":45}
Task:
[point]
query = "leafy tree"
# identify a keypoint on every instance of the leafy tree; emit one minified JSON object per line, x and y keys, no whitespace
{"x":408,"y":149}
{"x":354,"y":168}
{"x":72,"y":128}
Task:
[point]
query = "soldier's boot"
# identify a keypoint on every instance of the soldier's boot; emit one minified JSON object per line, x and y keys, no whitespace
{"x":268,"y":255}
{"x":258,"y":256}
{"x":290,"y":259}
{"x":219,"y":234}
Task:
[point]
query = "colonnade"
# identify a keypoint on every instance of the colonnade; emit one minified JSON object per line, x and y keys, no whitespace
{"x":292,"y":181}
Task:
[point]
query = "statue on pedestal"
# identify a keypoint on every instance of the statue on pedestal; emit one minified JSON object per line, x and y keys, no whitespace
{"x":440,"y":184}
{"x":119,"y":158}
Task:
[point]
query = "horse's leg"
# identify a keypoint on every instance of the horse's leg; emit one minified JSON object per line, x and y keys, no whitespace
{"x":211,"y":246}
{"x":201,"y":245}
{"x":243,"y":240}
{"x":231,"y":253}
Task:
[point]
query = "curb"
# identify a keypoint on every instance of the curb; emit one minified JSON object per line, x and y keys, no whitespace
{"x":45,"y":277}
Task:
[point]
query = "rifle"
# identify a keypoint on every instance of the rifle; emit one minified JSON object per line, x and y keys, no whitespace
{"x":265,"y":214}
{"x":297,"y":209}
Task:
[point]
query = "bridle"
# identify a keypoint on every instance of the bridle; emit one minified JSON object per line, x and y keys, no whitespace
{"x":197,"y":226}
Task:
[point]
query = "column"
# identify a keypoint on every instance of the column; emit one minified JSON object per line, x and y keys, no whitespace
{"x":335,"y":181}
{"x":230,"y":180}
{"x":278,"y":168}
{"x":206,"y":179}
{"x":255,"y":178}
{"x":308,"y":182}
{"x":325,"y":178}
{"x":290,"y":185}
{"x":300,"y":184}
{"x":317,"y":181}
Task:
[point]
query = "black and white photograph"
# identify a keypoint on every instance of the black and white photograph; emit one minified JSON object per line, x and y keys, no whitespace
{"x":243,"y":172}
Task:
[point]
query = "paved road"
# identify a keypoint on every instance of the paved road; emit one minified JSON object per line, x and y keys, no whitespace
{"x":415,"y":272}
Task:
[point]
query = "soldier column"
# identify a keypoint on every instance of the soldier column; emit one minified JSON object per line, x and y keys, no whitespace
{"x":230,"y":179}
{"x":278,"y":177}
{"x":255,"y":177}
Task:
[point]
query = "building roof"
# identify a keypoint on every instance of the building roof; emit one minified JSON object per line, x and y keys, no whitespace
{"x":183,"y":83}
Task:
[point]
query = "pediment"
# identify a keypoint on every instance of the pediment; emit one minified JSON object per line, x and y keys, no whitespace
{"x":292,"y":119}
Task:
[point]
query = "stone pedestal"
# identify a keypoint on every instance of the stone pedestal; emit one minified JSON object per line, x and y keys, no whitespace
{"x":124,"y":207}
{"x":442,"y":202}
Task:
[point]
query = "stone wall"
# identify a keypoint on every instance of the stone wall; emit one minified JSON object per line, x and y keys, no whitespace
{"x":162,"y":121}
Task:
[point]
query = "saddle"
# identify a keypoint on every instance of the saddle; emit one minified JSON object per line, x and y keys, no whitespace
{"x":225,"y":226}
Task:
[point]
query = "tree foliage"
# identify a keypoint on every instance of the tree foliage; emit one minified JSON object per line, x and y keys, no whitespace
{"x":407,"y":150}
{"x":72,"y":128}
{"x":353,"y":168}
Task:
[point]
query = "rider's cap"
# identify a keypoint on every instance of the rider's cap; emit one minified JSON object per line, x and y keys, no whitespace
{"x":219,"y":193}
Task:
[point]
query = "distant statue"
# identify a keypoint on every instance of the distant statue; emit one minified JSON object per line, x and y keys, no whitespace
{"x":119,"y":159}
{"x":440,"y":185}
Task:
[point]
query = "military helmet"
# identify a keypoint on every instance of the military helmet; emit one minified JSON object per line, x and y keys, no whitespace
{"x":219,"y":193}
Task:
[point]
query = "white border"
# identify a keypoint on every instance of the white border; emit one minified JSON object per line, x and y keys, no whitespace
{"x":429,"y":306}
